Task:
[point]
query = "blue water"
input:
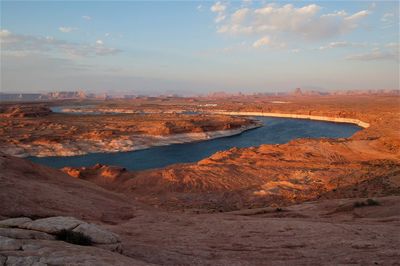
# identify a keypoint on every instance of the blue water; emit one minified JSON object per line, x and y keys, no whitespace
{"x":59,"y":109}
{"x":274,"y":131}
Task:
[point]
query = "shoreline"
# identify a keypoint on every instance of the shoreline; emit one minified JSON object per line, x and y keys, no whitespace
{"x":127,"y":145}
{"x":297,"y":116}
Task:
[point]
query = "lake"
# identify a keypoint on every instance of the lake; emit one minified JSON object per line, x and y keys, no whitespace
{"x":274,"y":131}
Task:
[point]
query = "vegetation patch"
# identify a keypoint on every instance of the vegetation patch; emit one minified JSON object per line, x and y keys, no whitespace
{"x":72,"y":237}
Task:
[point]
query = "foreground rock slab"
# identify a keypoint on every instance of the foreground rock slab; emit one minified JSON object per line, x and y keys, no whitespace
{"x":42,"y":252}
{"x":97,"y":234}
{"x":53,"y":224}
{"x":27,"y":242}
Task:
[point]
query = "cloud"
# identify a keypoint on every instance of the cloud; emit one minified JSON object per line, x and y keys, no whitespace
{"x":262,"y":42}
{"x":341,"y":44}
{"x":240,"y":15}
{"x":218,"y":7}
{"x":4,"y":33}
{"x":358,"y":15}
{"x":220,"y":18}
{"x":267,"y":41}
{"x":335,"y":45}
{"x":199,"y":8}
{"x":305,"y":22}
{"x":87,"y":17}
{"x":388,"y":20}
{"x":374,"y":55}
{"x":66,"y":29}
{"x":28,"y":44}
{"x":340,"y":13}
{"x":99,"y":42}
{"x":387,"y":17}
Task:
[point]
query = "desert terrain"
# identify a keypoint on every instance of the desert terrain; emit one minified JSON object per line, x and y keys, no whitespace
{"x":306,"y":202}
{"x":34,"y":130}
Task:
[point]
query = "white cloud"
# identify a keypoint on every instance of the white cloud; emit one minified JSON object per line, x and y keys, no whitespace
{"x":14,"y":44}
{"x":268,"y":41}
{"x":218,"y":7}
{"x":239,"y":15}
{"x":262,"y":42}
{"x":4,"y":34}
{"x":289,"y":21}
{"x":335,"y":45}
{"x":220,"y":18}
{"x":199,"y":8}
{"x":87,"y":17}
{"x":375,"y":54}
{"x":387,"y":17}
{"x":99,"y":42}
{"x":358,"y":15}
{"x":66,"y":29}
{"x":341,"y":44}
{"x":340,"y":13}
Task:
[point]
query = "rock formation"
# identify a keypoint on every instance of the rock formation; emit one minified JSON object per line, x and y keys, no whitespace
{"x":67,"y":135}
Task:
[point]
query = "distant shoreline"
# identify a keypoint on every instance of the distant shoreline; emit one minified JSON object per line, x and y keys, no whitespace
{"x":297,"y":116}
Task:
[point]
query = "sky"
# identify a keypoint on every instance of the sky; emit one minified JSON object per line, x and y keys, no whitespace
{"x":195,"y":47}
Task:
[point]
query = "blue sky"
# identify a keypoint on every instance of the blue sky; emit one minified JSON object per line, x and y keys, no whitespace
{"x":196,"y":47}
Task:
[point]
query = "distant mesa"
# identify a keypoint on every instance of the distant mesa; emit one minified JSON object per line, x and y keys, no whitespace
{"x":58,"y":95}
{"x":81,"y":95}
{"x":298,"y":92}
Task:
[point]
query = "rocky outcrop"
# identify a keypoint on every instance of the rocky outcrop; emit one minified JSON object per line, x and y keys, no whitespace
{"x":52,"y":225}
{"x":50,"y":229}
{"x":25,"y":111}
{"x":15,"y":222}
{"x":68,"y":135}
{"x":20,"y":246}
{"x":96,"y":234}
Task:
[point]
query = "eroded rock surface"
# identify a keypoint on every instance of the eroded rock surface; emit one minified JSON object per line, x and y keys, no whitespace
{"x":96,"y":234}
{"x":67,"y":135}
{"x":36,"y":242}
{"x":53,"y":225}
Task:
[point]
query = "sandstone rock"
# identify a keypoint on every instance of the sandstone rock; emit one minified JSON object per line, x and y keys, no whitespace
{"x":116,"y":247}
{"x":43,"y":252}
{"x":9,"y":244}
{"x":53,"y":225}
{"x":17,"y":233}
{"x":22,"y":261}
{"x":98,"y":235}
{"x":15,"y":222}
{"x":3,"y":260}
